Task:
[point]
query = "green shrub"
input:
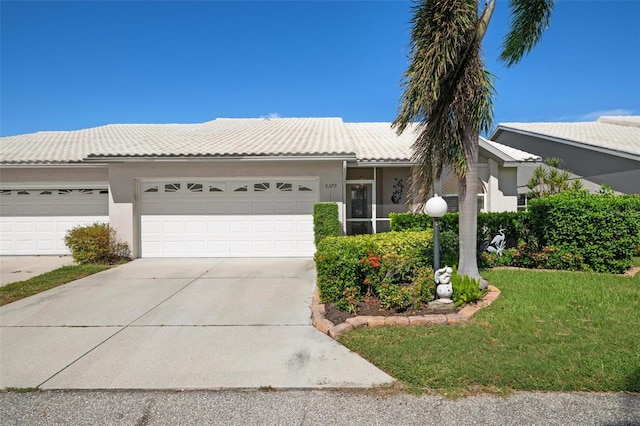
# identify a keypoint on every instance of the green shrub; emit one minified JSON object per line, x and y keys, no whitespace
{"x":410,"y":222}
{"x":465,"y":289}
{"x":325,"y":221}
{"x":601,"y":229}
{"x":97,"y":243}
{"x":380,"y":265}
{"x":515,"y":225}
{"x":527,"y":256}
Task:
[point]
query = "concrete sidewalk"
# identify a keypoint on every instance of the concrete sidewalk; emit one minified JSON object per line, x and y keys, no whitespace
{"x":178,"y":324}
{"x":20,"y":268}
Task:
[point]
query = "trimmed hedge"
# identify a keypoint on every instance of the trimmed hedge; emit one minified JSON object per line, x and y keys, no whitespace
{"x":396,"y":267}
{"x":515,"y":224}
{"x":342,"y":263}
{"x":603,"y":230}
{"x":325,"y":221}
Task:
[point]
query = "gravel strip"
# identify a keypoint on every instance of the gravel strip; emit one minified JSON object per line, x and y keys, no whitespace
{"x":313,"y":407}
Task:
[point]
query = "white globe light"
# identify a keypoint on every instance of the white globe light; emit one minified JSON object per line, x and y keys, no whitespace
{"x":436,"y":206}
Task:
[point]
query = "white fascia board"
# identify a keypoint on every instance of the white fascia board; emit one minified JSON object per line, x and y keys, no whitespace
{"x":382,"y":163}
{"x":222,"y":159}
{"x":55,"y":185}
{"x":52,"y":165}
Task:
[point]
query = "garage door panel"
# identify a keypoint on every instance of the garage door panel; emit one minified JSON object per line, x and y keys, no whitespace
{"x":264,"y":219}
{"x":240,"y":226}
{"x":304,"y":207}
{"x":262,"y":226}
{"x":285,"y":225}
{"x":218,"y":248}
{"x":196,"y":248}
{"x":239,"y":207}
{"x":218,"y":226}
{"x":240,"y":247}
{"x":217,"y":207}
{"x":45,"y":245}
{"x":262,"y":207}
{"x":197,"y":227}
{"x":174,"y":226}
{"x":304,"y":226}
{"x":285,"y":207}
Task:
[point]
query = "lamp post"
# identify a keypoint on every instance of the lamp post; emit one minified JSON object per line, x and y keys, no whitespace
{"x":436,"y":207}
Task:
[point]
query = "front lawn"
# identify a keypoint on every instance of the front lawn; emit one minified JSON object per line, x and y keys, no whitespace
{"x":19,"y":290}
{"x":548,"y":331}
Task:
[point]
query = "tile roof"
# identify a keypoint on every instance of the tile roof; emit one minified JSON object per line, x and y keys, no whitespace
{"x":379,"y":142}
{"x":223,"y":137}
{"x":510,"y":153}
{"x":613,"y":133}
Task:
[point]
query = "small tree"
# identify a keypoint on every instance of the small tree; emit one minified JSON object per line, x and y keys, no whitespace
{"x":551,"y":180}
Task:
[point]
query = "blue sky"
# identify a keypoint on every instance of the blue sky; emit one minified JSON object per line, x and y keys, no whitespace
{"x":71,"y":65}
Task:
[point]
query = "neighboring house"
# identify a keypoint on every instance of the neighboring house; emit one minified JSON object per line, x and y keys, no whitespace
{"x":227,"y":187}
{"x":602,"y":151}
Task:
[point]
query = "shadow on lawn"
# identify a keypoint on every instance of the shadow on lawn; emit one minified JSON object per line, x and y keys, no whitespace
{"x":633,"y":381}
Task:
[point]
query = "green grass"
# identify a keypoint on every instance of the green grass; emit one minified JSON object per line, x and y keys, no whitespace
{"x":548,"y":331}
{"x":19,"y":290}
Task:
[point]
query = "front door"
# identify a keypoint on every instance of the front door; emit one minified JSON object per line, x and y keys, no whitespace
{"x":359,"y":208}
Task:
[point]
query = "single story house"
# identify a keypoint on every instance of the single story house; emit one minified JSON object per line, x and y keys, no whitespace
{"x":603,"y":151}
{"x":227,"y":187}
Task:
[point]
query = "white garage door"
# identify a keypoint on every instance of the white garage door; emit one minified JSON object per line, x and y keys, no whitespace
{"x":35,"y":221}
{"x":228,"y":218}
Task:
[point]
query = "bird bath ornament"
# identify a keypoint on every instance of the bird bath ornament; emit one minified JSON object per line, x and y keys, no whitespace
{"x":444,"y":288}
{"x":498,"y":244}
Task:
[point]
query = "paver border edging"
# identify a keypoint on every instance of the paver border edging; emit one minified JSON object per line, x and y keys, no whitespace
{"x":463,"y":315}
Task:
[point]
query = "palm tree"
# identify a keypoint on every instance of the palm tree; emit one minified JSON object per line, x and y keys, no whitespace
{"x":448,"y":95}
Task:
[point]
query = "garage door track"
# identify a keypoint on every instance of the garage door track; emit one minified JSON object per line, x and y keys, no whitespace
{"x":178,"y":324}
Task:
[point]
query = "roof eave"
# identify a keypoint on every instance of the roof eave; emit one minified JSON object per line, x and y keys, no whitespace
{"x":570,"y":142}
{"x":216,"y":158}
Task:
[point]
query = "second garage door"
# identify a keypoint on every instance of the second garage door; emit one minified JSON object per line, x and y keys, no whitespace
{"x":228,"y":218}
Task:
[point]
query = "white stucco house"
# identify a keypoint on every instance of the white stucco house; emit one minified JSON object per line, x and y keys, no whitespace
{"x":227,"y":187}
{"x":603,"y":151}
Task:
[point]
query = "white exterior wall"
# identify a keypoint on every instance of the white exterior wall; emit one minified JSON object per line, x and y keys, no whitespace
{"x":33,"y":176}
{"x":124,"y":178}
{"x":501,"y":188}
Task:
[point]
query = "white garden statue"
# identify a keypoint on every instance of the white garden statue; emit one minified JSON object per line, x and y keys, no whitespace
{"x":444,"y":288}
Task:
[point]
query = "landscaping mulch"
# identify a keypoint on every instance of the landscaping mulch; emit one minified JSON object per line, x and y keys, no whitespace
{"x":370,"y":306}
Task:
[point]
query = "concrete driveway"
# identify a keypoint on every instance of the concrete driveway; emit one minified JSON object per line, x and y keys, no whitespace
{"x":178,"y":324}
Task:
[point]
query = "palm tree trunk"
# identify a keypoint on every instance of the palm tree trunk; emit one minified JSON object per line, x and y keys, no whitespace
{"x":468,"y":206}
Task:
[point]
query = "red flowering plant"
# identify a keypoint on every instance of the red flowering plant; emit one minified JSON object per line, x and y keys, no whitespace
{"x":371,"y":270}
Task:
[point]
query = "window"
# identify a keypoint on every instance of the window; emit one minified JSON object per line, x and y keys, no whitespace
{"x":152,"y":189}
{"x":172,"y":187}
{"x":243,"y":188}
{"x":194,"y":187}
{"x":261,"y":186}
{"x":284,"y":186}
